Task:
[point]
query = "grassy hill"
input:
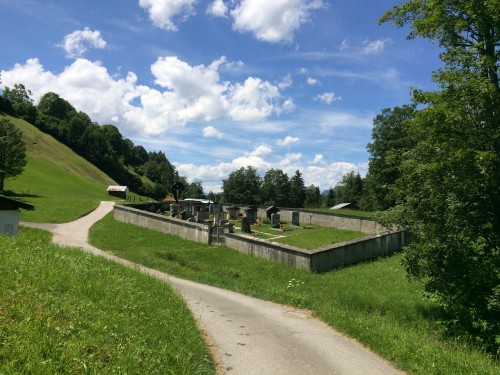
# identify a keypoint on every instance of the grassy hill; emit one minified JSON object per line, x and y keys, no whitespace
{"x":59,"y":183}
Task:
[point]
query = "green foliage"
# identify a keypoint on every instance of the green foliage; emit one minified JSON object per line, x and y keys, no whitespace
{"x":449,"y":189}
{"x":242,"y":186}
{"x":349,"y":189}
{"x":312,"y":196}
{"x":297,"y":190}
{"x":66,"y":312}
{"x":390,"y":142}
{"x":12,"y":151}
{"x":276,"y":188}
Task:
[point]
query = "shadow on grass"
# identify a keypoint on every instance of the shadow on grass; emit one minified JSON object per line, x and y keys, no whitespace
{"x":10,"y":193}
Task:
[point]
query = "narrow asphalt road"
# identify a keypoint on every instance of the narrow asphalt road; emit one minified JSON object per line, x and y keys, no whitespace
{"x":250,"y":336}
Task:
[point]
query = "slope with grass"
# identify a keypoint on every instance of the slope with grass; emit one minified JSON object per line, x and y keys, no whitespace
{"x":59,"y":183}
{"x":68,"y":312}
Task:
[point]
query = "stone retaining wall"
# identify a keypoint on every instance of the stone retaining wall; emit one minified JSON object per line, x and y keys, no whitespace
{"x":319,"y":260}
{"x":325,"y":219}
{"x":161,"y":223}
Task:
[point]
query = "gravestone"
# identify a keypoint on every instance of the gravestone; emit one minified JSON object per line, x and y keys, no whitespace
{"x":233,"y":212}
{"x":219,"y":216}
{"x":295,"y":218}
{"x":215,"y":208}
{"x":251,"y":214}
{"x":275,"y":220}
{"x":271,"y":210}
{"x":245,"y":225}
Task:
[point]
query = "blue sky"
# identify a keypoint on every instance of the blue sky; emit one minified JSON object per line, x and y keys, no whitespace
{"x":219,"y":85}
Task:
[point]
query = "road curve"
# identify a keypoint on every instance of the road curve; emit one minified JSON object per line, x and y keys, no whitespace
{"x":250,"y":336}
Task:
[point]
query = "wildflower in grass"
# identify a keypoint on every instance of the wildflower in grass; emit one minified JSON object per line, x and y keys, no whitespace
{"x":294,"y":283}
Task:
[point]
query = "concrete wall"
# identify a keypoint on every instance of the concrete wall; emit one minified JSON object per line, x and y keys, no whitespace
{"x":319,"y":260}
{"x":9,"y":222}
{"x":325,"y":219}
{"x":289,"y":255}
{"x":184,"y":229}
{"x":357,"y":251}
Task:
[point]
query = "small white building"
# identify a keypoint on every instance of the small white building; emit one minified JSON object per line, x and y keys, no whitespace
{"x":9,"y":215}
{"x":118,"y":191}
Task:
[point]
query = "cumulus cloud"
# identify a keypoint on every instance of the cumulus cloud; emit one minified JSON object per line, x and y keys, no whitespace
{"x":318,"y":159}
{"x":325,"y":175}
{"x":217,"y":9}
{"x":77,"y":43}
{"x":328,"y":97}
{"x":86,"y":85}
{"x":273,"y":21}
{"x":261,"y":150}
{"x":287,"y":141}
{"x":253,"y":100}
{"x":186,"y":94}
{"x":165,"y":14}
{"x":376,"y":46}
{"x":211,"y":132}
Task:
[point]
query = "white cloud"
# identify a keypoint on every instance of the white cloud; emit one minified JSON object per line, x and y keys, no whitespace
{"x":273,"y":21}
{"x":217,"y":9}
{"x":312,"y":81}
{"x":261,"y":150}
{"x":286,"y":82}
{"x":318,"y":159}
{"x":76,"y":44}
{"x":187,"y":94}
{"x":211,"y":132}
{"x":370,"y":47}
{"x":344,"y":45}
{"x":86,"y":85}
{"x":287,"y":141}
{"x":253,"y":100}
{"x":328,"y":97}
{"x":163,"y":12}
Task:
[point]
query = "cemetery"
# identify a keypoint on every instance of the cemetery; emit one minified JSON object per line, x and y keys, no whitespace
{"x":263,"y":231}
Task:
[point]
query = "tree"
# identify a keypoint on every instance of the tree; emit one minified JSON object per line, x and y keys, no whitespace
{"x":297,"y":190}
{"x":448,"y":194}
{"x":12,"y":151}
{"x":276,"y":188}
{"x":312,"y":197}
{"x":390,"y":142}
{"x":242,"y":186}
{"x":53,"y":105}
{"x":349,"y":189}
{"x":22,"y":104}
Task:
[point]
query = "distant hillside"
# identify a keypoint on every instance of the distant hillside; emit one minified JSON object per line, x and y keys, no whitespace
{"x":59,"y":183}
{"x":44,"y":146}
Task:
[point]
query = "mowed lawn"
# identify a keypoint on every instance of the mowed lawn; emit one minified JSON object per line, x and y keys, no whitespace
{"x":372,"y":302}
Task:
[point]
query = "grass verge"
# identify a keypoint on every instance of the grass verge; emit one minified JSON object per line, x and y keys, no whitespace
{"x":371,"y":302}
{"x":66,"y":312}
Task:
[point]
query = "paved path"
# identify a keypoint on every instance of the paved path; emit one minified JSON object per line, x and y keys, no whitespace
{"x":250,"y":336}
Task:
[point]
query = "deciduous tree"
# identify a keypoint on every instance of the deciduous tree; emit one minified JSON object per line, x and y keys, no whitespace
{"x":449,"y":190}
{"x":12,"y":151}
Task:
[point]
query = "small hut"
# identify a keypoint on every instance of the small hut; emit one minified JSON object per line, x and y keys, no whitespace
{"x":9,"y":215}
{"x":118,"y":191}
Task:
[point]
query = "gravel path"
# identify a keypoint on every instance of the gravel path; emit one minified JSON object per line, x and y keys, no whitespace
{"x":249,"y":336}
